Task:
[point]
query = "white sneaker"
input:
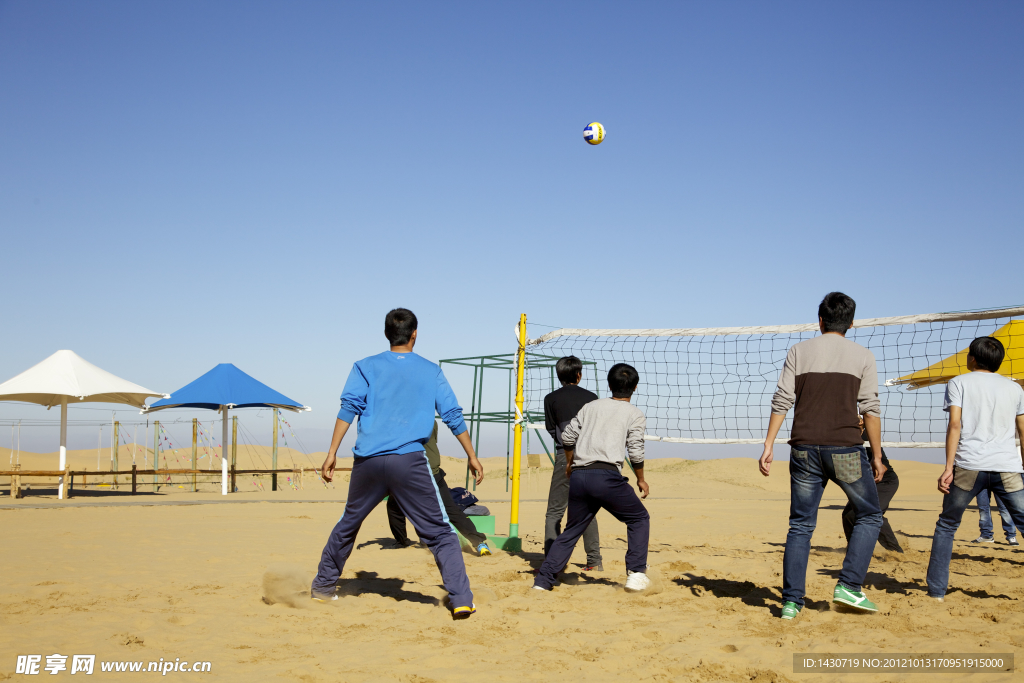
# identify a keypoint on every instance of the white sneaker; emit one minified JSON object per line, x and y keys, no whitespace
{"x":636,"y":582}
{"x":983,"y":539}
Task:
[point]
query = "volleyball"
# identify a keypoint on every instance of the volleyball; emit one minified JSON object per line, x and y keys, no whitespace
{"x":593,"y":133}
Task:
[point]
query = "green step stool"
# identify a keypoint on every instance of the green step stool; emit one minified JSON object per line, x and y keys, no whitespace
{"x":483,"y":523}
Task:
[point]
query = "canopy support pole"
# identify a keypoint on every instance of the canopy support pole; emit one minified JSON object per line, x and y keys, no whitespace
{"x":224,"y":454}
{"x":156,"y":454}
{"x":195,"y":450}
{"x":117,"y":443}
{"x":63,"y":445}
{"x":273,"y":456}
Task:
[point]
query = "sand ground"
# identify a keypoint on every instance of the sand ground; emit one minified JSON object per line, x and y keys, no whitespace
{"x":156,"y":575}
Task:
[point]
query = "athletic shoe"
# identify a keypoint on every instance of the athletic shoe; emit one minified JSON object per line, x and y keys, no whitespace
{"x":594,"y":568}
{"x":937,"y":598}
{"x":983,"y":539}
{"x":790,"y":610}
{"x":463,"y":612}
{"x":855,"y":599}
{"x":482,"y":550}
{"x":636,"y":582}
{"x":541,"y":588}
{"x":1012,"y":540}
{"x":322,"y":597}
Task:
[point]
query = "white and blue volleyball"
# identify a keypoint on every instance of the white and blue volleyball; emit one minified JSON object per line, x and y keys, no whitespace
{"x":593,"y":133}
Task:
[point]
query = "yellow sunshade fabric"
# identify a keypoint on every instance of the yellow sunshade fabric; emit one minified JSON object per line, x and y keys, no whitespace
{"x":1012,"y":336}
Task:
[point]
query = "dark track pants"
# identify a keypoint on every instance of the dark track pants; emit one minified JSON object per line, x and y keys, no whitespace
{"x":558,"y":501}
{"x":886,"y":490}
{"x":589,"y":491}
{"x":408,"y":479}
{"x":462,"y":523}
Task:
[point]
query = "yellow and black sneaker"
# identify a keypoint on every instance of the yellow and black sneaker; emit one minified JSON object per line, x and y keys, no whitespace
{"x":463,"y":612}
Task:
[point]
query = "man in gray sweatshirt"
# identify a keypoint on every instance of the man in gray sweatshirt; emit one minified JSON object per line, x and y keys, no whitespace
{"x":595,"y":443}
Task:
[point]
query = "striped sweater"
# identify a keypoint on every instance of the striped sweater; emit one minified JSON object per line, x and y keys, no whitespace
{"x":830,"y":381}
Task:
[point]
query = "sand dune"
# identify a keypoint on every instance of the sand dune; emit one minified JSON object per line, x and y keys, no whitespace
{"x":143,"y":578}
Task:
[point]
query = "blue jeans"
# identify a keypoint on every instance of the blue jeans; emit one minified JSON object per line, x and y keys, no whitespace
{"x":985,"y":516}
{"x":967,"y":484}
{"x":810,"y":469}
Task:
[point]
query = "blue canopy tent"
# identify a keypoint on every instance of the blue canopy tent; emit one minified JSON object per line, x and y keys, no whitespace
{"x":221,"y":389}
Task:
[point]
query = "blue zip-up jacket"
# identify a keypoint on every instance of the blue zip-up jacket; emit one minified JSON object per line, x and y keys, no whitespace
{"x":395,"y":396}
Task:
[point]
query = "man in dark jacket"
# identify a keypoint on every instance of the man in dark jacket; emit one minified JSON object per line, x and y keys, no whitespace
{"x":456,"y":515}
{"x":886,"y":490}
{"x":560,"y":407}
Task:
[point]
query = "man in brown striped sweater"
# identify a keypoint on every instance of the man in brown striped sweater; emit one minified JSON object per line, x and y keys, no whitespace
{"x":830,"y":382}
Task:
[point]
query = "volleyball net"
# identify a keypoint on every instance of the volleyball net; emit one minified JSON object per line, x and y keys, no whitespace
{"x":714,"y":385}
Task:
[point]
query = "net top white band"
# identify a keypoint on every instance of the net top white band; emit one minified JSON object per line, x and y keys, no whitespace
{"x":781,"y":329}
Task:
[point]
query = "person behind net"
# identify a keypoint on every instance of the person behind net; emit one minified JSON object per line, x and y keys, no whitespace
{"x":886,"y":491}
{"x":830,"y":382}
{"x":560,"y":407}
{"x":595,"y":442}
{"x":985,"y":520}
{"x":395,"y":395}
{"x":456,"y":515}
{"x":985,"y":409}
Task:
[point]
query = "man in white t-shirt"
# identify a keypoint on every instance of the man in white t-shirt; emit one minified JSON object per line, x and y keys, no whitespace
{"x":985,"y":409}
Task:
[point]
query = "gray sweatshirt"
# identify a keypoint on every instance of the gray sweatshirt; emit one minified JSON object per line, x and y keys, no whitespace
{"x":603,"y":431}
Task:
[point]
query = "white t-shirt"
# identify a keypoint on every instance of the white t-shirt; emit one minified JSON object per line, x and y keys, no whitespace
{"x":990,"y":404}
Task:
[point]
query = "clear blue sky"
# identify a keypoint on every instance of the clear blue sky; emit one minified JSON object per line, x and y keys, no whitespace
{"x":187,"y":183}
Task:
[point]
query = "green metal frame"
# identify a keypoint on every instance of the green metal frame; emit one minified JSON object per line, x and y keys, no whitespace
{"x":477,"y":416}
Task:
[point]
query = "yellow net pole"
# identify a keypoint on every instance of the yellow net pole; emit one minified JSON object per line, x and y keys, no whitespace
{"x":517,"y":441}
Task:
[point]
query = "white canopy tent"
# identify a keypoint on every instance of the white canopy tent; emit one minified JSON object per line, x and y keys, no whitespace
{"x":65,"y":377}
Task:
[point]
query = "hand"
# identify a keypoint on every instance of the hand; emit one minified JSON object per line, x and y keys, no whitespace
{"x":476,"y":468}
{"x":945,"y":480}
{"x":878,"y":468}
{"x":568,"y":469}
{"x":644,"y":488}
{"x":765,"y":462}
{"x":327,"y":471}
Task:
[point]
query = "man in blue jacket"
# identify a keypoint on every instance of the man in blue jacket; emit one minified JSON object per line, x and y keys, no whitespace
{"x":395,"y":395}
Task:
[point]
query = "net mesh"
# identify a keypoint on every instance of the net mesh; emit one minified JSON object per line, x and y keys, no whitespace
{"x":716,"y":387}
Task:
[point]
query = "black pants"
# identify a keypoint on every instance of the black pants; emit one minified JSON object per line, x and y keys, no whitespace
{"x":886,"y":490}
{"x":458,"y":518}
{"x":589,"y":491}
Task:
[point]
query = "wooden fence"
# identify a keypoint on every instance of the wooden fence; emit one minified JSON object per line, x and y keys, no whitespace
{"x":68,"y":481}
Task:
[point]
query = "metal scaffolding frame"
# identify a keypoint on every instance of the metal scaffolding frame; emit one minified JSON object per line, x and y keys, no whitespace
{"x":477,"y":416}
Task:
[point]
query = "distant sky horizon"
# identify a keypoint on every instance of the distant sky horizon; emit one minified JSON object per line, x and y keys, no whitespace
{"x":184,"y":184}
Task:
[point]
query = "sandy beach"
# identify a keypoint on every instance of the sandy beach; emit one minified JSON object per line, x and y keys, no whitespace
{"x":199,"y":577}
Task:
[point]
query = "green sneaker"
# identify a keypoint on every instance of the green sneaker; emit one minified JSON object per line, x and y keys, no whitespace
{"x":790,"y":610}
{"x":855,"y":599}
